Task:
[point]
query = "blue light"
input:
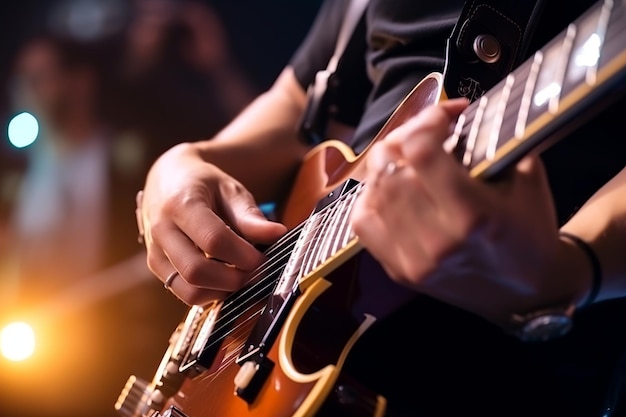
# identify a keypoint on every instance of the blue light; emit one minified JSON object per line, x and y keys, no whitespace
{"x":23,"y":130}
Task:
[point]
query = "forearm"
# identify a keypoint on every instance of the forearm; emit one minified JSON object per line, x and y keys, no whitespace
{"x":602,"y":223}
{"x":260,"y":147}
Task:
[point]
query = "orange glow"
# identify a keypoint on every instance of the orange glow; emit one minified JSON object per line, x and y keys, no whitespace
{"x":17,"y":341}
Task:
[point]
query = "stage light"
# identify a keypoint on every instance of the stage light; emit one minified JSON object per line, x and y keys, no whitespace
{"x":23,"y":130}
{"x":17,"y":341}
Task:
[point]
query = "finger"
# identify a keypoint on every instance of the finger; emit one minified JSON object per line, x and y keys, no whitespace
{"x":372,"y":232}
{"x":452,"y":190}
{"x":209,"y":232}
{"x":378,"y":159}
{"x":173,"y":249}
{"x":139,"y":215}
{"x":250,"y":222}
{"x":440,"y":118}
{"x":193,"y":295}
{"x":402,"y":204}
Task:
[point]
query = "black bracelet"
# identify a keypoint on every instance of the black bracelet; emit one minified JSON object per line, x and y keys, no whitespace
{"x":595,"y":266}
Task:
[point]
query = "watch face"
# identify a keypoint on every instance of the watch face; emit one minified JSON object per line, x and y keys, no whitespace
{"x":545,"y":327}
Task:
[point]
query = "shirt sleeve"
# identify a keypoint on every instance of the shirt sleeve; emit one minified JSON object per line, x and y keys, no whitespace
{"x":318,"y":46}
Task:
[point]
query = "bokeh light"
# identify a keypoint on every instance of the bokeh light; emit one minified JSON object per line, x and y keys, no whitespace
{"x":23,"y":130}
{"x":17,"y":341}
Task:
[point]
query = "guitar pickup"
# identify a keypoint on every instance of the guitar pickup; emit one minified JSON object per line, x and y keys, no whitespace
{"x":255,"y":366}
{"x":267,"y":327}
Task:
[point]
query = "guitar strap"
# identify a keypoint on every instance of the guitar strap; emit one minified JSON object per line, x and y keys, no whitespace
{"x":315,"y":118}
{"x":489,"y":39}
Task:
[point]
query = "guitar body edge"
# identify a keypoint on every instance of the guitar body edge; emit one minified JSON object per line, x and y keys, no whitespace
{"x":332,"y":162}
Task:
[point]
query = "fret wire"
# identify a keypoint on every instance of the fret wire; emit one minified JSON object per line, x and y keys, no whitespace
{"x":603,"y":23}
{"x":329,"y":249}
{"x":470,"y":114}
{"x":453,"y":141}
{"x":464,"y":133}
{"x":518,"y":89}
{"x":329,"y":231}
{"x":499,"y":120}
{"x":347,"y":231}
{"x":561,"y":70}
{"x":484,"y":130}
{"x":473,"y":135}
{"x":578,"y":65}
{"x":310,"y":260}
{"x":345,"y":218}
{"x":529,"y":88}
{"x":512,"y":108}
{"x":614,"y":41}
{"x":307,"y":243}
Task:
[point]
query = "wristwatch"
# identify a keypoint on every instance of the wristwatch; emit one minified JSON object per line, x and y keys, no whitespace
{"x":542,"y":325}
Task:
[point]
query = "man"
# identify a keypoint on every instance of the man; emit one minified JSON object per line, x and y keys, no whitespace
{"x":492,"y":250}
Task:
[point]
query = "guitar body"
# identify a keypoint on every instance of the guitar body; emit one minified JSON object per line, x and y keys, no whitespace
{"x":315,"y":339}
{"x":307,"y":359}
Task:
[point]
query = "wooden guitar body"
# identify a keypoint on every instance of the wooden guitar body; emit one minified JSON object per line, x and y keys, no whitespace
{"x":305,"y":359}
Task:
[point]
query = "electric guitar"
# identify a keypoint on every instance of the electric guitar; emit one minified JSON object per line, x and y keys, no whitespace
{"x":253,"y":354}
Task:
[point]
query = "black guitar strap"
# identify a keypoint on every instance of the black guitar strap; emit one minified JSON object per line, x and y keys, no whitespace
{"x":489,"y":40}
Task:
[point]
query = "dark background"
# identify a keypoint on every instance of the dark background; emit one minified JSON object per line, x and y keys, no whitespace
{"x":262,"y":34}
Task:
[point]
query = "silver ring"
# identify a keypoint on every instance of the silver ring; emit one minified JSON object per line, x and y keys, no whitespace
{"x":394,"y":166}
{"x":169,"y":280}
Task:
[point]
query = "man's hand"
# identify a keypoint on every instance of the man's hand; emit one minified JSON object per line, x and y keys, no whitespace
{"x":492,"y":249}
{"x":202,"y":223}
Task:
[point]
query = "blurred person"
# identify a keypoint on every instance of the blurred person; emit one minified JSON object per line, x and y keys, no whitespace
{"x":177,"y":78}
{"x":72,"y":219}
{"x":60,"y":213}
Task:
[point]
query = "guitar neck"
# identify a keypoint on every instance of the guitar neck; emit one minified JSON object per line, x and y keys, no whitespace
{"x":561,"y":85}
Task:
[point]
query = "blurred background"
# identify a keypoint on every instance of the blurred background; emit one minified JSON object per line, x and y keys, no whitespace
{"x":92,"y":91}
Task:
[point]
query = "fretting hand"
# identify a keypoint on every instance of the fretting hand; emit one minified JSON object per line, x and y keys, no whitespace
{"x":492,"y":249}
{"x":202,"y":223}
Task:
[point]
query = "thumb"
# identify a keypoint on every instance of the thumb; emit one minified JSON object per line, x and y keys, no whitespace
{"x":253,"y":225}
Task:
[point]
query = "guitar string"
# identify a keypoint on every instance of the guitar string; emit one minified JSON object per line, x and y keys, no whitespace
{"x":275,"y":254}
{"x":243,"y":327}
{"x":265,"y":279}
{"x":265,"y":273}
{"x":282,"y":252}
